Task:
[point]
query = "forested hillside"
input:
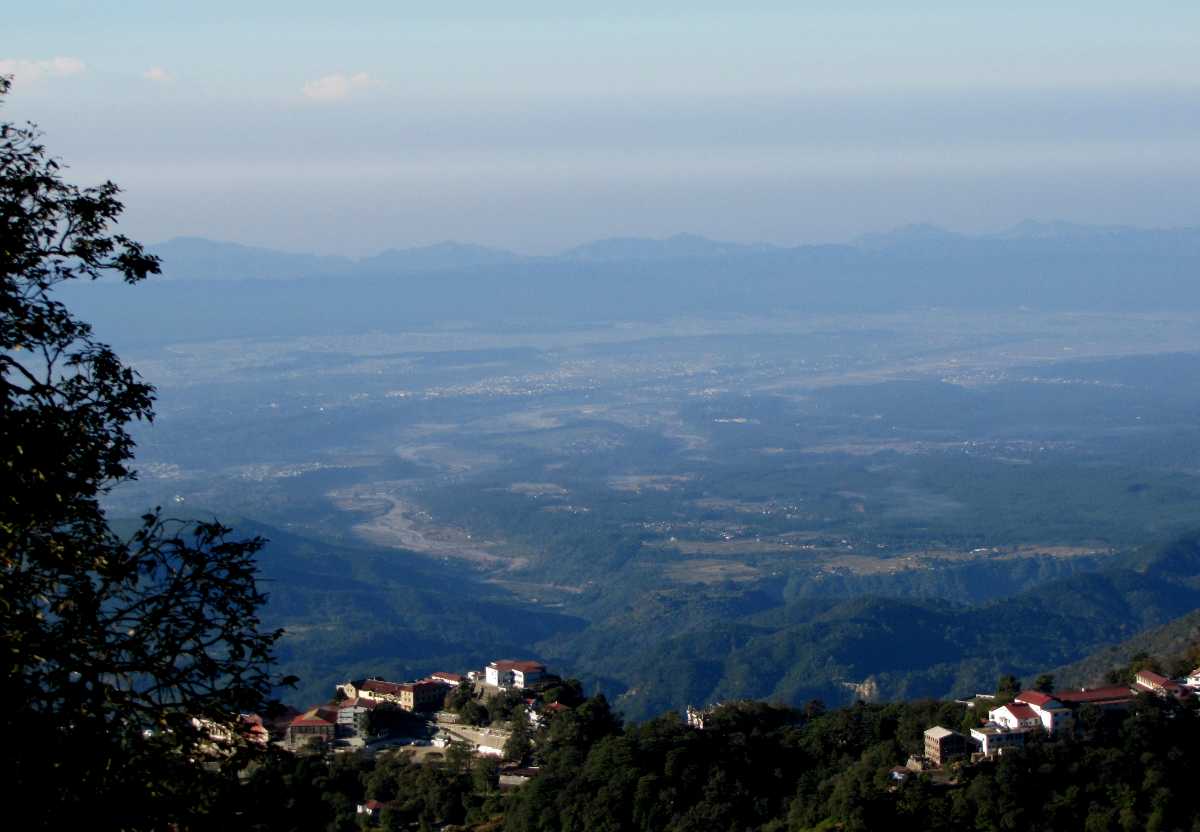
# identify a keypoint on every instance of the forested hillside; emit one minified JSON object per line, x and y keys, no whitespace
{"x":755,"y":766}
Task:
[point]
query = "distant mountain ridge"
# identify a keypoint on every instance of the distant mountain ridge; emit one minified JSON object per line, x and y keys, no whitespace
{"x":678,"y":247}
{"x":222,"y":290}
{"x":196,"y":258}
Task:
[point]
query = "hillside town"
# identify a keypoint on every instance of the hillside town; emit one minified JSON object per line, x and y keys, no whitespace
{"x":346,"y":723}
{"x":441,"y":709}
{"x":494,"y":713}
{"x":1008,"y":725}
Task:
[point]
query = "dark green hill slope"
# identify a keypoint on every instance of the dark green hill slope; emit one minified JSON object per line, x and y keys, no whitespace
{"x":354,"y":610}
{"x":1169,"y":639}
{"x":670,"y":649}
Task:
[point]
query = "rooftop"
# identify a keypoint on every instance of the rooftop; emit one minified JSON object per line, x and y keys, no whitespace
{"x":1154,"y":678}
{"x":1111,"y":693}
{"x":1036,"y":697}
{"x":994,"y":730}
{"x":314,"y":716}
{"x":523,"y":666}
{"x":380,"y":686}
{"x":1020,"y":710}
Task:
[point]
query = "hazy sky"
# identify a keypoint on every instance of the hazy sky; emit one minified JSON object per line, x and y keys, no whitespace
{"x":539,"y":125}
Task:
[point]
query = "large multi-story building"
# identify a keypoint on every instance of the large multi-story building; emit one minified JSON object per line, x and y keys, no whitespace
{"x":422,"y":696}
{"x":507,"y":673}
{"x":1053,"y":715}
{"x":993,"y":739}
{"x":316,"y":726}
{"x":411,"y":696}
{"x":353,"y":715}
{"x":943,"y":745}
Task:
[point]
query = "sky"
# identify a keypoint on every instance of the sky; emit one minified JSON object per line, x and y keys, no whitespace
{"x":536,"y":126}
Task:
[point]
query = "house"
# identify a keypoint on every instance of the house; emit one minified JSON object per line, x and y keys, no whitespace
{"x":1054,"y":715}
{"x":1156,"y":683}
{"x":372,"y":809}
{"x":1193,"y":679}
{"x":994,"y":739}
{"x":372,"y":687}
{"x":507,"y":673}
{"x":316,"y":726}
{"x":540,"y":713}
{"x":943,"y":745}
{"x":1015,"y":716}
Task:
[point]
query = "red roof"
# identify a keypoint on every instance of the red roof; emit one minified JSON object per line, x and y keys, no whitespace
{"x":1022,"y":711}
{"x":316,"y":716}
{"x":1154,"y":678}
{"x":358,"y":702}
{"x":523,"y":666}
{"x":1112,"y":693}
{"x":380,"y":686}
{"x":1034,"y":697}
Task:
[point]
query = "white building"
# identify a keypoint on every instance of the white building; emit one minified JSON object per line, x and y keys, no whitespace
{"x":1016,"y":716}
{"x":1054,"y":715}
{"x":507,"y":673}
{"x":1193,"y":679}
{"x":993,"y":739}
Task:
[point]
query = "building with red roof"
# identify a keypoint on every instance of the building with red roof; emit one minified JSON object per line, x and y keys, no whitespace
{"x":509,"y":673}
{"x":1033,"y":697}
{"x":1156,"y":683}
{"x":1110,"y":697}
{"x":1054,"y":715}
{"x":425,"y":695}
{"x":315,"y":726}
{"x":1015,"y":716}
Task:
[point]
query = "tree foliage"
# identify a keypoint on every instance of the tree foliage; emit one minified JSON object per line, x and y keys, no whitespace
{"x":127,"y":660}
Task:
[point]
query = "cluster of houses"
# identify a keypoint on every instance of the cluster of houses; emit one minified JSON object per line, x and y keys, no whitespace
{"x":1007,"y":726}
{"x":348,"y":717}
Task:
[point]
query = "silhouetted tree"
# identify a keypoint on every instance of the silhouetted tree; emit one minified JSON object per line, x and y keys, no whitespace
{"x":126,"y":661}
